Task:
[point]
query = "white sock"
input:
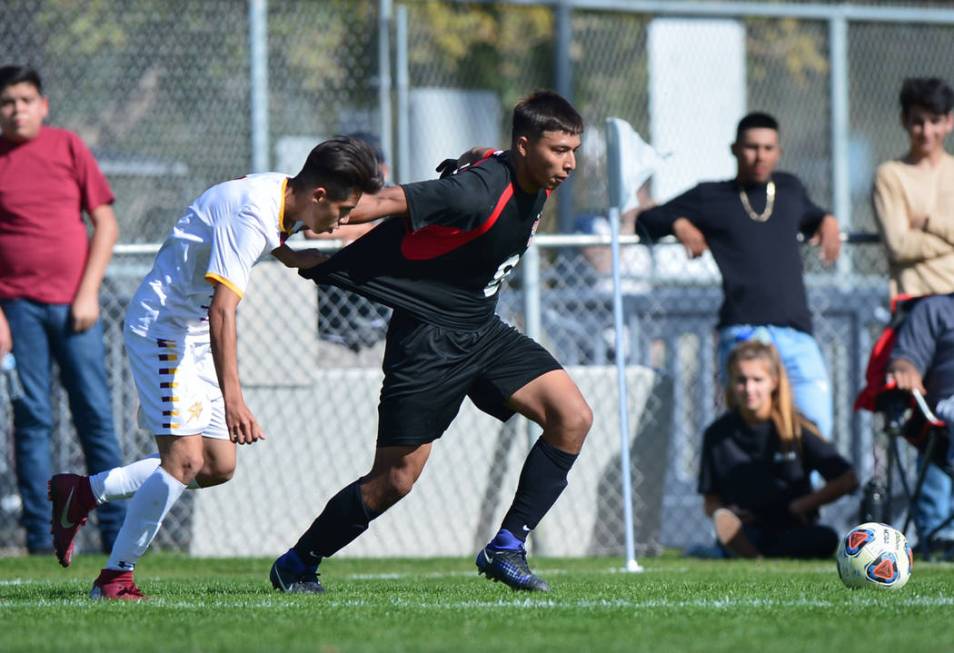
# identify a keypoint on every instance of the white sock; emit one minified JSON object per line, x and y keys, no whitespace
{"x":122,"y":482}
{"x":144,"y":516}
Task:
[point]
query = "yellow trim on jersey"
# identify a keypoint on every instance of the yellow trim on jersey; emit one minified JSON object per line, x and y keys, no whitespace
{"x":225,"y":282}
{"x":281,"y":208}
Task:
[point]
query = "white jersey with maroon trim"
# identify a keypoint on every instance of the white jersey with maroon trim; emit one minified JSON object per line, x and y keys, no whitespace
{"x":223,"y":233}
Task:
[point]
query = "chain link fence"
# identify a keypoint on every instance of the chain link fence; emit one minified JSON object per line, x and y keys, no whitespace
{"x":161,"y":91}
{"x":316,"y":399}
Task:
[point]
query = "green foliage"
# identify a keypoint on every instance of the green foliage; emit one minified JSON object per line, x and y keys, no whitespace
{"x":800,"y":47}
{"x":313,"y":43}
{"x":483,"y":46}
{"x":438,"y":605}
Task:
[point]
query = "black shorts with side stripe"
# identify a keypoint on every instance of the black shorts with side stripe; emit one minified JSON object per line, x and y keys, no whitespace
{"x":429,"y":369}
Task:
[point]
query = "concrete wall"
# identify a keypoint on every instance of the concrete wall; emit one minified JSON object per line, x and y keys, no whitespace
{"x":283,"y":483}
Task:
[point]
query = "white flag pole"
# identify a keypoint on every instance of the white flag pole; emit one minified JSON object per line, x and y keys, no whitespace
{"x":616,"y":192}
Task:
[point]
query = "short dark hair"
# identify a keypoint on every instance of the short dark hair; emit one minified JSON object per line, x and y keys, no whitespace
{"x":544,"y":111}
{"x":373,"y":141}
{"x":10,"y":75}
{"x":341,"y":165}
{"x":932,"y":93}
{"x":755,"y":120}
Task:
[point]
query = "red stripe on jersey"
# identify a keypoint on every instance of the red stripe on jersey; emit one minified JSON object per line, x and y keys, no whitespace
{"x":436,"y":240}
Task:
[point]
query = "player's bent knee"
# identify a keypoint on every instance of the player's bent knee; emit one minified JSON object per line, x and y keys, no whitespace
{"x":566,"y":428}
{"x":184,"y":468}
{"x":574,"y":420}
{"x":585,"y":418}
{"x":400,"y":483}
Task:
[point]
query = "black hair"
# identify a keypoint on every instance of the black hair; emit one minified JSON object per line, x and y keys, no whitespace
{"x":341,"y":165}
{"x":544,"y":111}
{"x":373,"y":141}
{"x":10,"y":75}
{"x":931,"y":93}
{"x":755,"y":120}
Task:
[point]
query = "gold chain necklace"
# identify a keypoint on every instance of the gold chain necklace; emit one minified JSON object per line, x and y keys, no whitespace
{"x":769,"y":203}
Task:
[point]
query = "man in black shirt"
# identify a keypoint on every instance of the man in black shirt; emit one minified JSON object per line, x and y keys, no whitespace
{"x":439,"y":263}
{"x":750,"y":223}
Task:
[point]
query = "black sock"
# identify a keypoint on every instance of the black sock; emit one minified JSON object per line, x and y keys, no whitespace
{"x":541,"y":482}
{"x":344,"y":518}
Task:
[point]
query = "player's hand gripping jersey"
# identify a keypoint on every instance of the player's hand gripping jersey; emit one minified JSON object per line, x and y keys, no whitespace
{"x":446,"y":261}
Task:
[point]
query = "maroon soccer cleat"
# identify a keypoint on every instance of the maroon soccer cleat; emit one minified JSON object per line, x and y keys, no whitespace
{"x":112,"y":585}
{"x":72,"y":499}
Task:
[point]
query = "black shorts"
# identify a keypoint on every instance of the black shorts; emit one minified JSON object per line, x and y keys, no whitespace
{"x":428,"y":370}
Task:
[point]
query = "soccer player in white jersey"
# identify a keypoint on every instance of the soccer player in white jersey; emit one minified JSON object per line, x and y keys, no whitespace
{"x":180,"y":336}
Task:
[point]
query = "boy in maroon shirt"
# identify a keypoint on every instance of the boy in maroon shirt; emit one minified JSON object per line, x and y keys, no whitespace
{"x":50,"y":274}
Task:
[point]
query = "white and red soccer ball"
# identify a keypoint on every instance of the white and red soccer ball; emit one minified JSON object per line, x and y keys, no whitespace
{"x":876,"y":556}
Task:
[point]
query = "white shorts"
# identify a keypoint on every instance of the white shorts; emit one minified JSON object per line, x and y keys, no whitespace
{"x":178,"y":389}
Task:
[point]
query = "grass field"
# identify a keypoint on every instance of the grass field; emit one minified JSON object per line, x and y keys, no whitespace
{"x":442,"y":605}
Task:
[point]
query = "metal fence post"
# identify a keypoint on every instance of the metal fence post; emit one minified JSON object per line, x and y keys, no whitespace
{"x":258,"y":69}
{"x":403,"y":82}
{"x":384,"y":77}
{"x":563,"y":82}
{"x":841,"y":190}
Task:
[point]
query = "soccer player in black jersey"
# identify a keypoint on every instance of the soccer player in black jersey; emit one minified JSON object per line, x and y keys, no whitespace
{"x":439,"y":263}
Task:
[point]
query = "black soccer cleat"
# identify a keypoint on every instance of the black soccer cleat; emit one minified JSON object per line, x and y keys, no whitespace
{"x":291,"y":576}
{"x":511,"y":569}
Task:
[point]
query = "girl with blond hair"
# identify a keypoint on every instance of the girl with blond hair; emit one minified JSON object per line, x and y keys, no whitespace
{"x":757,"y":460}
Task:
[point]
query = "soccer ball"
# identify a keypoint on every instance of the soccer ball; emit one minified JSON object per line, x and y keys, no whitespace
{"x":874,"y":555}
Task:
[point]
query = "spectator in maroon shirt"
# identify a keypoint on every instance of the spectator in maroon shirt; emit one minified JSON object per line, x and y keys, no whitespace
{"x":50,"y":274}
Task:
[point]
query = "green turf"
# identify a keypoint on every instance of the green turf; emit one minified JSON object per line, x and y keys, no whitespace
{"x":442,"y":605}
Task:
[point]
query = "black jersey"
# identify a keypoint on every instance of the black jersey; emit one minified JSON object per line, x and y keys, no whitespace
{"x":748,"y":466}
{"x":445,"y":263}
{"x":760,"y":262}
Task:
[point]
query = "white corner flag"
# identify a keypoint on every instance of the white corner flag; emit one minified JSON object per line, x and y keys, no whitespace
{"x":631,"y":162}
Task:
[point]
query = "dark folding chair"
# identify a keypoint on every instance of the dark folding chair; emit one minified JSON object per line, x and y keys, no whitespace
{"x":908,"y":416}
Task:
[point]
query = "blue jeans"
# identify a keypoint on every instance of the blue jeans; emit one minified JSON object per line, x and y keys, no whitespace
{"x":934,"y":504}
{"x":42,"y":333}
{"x":803,"y":362}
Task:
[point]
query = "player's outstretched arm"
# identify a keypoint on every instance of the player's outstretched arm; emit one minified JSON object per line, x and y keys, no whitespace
{"x":298,"y":259}
{"x":241,"y":424}
{"x":387,"y":202}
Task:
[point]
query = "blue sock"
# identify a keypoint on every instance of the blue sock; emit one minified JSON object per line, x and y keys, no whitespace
{"x":291,"y":559}
{"x":505,"y":541}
